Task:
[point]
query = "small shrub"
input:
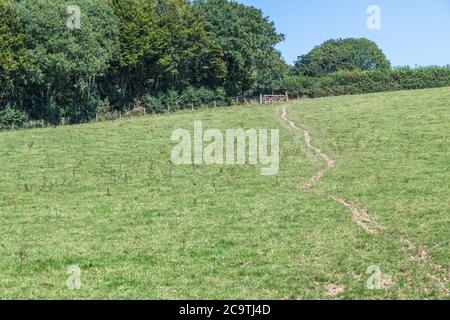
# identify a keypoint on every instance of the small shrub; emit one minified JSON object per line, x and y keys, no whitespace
{"x":190,"y":98}
{"x":11,"y":117}
{"x":221,"y":98}
{"x":171,"y":100}
{"x":153,"y":104}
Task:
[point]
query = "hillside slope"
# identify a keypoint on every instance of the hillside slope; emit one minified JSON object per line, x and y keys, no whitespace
{"x":106,"y":198}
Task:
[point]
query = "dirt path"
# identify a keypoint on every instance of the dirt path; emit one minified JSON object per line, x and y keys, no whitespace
{"x":359,"y":215}
{"x":362,"y":218}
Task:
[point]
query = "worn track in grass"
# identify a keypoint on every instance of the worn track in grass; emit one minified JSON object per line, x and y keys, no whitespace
{"x":360,"y":216}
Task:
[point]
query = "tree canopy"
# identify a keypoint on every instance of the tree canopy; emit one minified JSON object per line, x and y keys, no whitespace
{"x":67,"y":62}
{"x":12,"y":53}
{"x":248,"y":40}
{"x":163,"y":46}
{"x":341,"y":55}
{"x":163,"y":53}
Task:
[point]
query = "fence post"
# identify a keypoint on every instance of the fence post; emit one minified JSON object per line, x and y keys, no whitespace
{"x":260,"y":99}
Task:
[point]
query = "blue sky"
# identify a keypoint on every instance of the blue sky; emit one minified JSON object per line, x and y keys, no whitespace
{"x":413,"y":32}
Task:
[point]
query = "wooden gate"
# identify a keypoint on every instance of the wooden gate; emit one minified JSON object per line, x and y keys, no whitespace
{"x":267,"y":99}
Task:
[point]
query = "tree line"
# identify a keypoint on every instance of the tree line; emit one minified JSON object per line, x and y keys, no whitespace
{"x":161,"y":55}
{"x":158,"y":53}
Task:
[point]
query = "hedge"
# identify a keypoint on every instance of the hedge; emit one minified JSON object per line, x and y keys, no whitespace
{"x":359,"y":82}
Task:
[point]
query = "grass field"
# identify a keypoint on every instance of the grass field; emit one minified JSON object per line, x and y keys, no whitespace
{"x":106,"y":197}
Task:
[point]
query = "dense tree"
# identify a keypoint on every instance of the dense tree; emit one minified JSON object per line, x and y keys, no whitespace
{"x":163,"y":46}
{"x":12,"y":53}
{"x":68,"y":61}
{"x":270,"y":75}
{"x":8,"y":39}
{"x":341,"y":55}
{"x":138,"y":49}
{"x":191,"y":56}
{"x":248,"y":39}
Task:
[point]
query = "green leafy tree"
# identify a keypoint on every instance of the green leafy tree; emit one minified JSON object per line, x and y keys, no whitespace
{"x":132,"y":69}
{"x":163,"y":46}
{"x":190,"y":54}
{"x":248,"y":40}
{"x":271,"y":75}
{"x":63,"y":81}
{"x":341,"y":55}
